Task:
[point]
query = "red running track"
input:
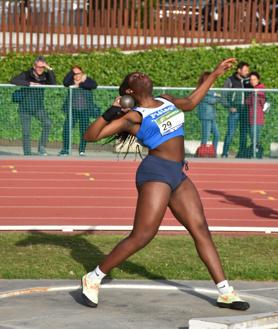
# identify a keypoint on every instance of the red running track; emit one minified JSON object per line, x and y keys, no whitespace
{"x":90,"y":194}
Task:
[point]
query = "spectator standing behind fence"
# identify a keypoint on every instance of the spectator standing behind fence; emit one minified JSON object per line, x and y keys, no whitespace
{"x":207,"y":115}
{"x":31,"y":102}
{"x":256,"y":103}
{"x":82,"y":106}
{"x":238,"y":112}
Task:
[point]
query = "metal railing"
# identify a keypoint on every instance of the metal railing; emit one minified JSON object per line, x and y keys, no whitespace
{"x":47,"y":26}
{"x":59,"y":104}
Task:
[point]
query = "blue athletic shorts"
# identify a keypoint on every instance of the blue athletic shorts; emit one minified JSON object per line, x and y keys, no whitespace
{"x":155,"y":169}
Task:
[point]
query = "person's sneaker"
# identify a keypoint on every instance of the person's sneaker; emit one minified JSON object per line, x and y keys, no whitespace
{"x":82,"y":154}
{"x":232,"y":301}
{"x":90,"y":291}
{"x":63,"y":153}
{"x":42,"y":151}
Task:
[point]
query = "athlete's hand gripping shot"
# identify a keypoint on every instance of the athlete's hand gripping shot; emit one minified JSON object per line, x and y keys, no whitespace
{"x":160,"y":179}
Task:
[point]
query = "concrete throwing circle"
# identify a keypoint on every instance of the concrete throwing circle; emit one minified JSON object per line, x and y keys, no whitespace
{"x":130,"y":305}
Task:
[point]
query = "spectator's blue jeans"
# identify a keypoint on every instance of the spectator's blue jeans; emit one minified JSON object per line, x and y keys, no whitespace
{"x":258,"y":129}
{"x":232,"y":123}
{"x":208,"y":127}
{"x":84,"y":120}
{"x":243,"y":131}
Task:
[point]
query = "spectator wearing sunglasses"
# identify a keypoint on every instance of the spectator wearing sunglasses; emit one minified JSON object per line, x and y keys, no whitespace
{"x":31,"y":102}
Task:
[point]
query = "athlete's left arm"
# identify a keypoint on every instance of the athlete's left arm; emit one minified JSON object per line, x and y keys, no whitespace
{"x":190,"y":102}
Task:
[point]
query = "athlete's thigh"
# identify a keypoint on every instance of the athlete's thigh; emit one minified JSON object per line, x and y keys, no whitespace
{"x":186,"y":205}
{"x":153,"y":199}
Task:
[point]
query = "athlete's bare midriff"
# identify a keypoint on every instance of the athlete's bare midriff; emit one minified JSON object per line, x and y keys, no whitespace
{"x":173,"y":149}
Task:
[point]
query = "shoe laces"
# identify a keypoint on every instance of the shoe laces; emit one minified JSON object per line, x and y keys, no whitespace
{"x":231,"y":296}
{"x":92,"y":285}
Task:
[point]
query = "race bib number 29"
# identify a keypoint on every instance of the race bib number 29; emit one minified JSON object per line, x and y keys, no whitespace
{"x":170,"y":121}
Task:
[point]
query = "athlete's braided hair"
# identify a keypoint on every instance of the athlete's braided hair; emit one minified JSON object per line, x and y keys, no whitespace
{"x":124,"y":138}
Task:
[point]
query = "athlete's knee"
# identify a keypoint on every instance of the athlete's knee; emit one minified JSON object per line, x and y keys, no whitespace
{"x":203,"y":228}
{"x":141,"y":239}
{"x":200,"y":226}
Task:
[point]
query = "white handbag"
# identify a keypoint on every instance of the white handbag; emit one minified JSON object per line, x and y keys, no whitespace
{"x":266,"y":107}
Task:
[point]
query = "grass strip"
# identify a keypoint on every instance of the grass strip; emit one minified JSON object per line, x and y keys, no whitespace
{"x":51,"y":256}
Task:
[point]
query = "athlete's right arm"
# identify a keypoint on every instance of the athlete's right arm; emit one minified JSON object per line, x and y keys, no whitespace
{"x":102,"y":128}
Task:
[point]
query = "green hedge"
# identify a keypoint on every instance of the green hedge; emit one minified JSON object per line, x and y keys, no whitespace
{"x":10,"y":128}
{"x":180,"y":67}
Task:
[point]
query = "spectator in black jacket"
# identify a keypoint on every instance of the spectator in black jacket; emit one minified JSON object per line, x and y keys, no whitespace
{"x":238,"y":111}
{"x":31,"y":102}
{"x":82,"y":106}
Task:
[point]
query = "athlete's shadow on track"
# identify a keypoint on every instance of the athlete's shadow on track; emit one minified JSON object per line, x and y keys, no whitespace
{"x":89,"y":256}
{"x":260,"y":211}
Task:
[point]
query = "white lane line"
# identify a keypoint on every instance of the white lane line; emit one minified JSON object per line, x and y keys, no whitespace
{"x":132,"y":172}
{"x":77,"y":188}
{"x":79,"y":197}
{"x":127,"y":164}
{"x":71,"y":228}
{"x":263,"y":208}
{"x":129,"y":218}
{"x":15,"y":178}
{"x":20,"y":196}
{"x":91,"y":188}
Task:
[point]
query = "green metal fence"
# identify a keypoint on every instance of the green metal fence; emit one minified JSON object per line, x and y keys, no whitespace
{"x":53,"y":114}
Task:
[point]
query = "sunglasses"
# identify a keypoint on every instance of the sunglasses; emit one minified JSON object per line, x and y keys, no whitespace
{"x":77,"y":73}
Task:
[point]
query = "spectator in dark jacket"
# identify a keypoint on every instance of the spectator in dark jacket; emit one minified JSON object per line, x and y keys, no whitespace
{"x":207,"y":115}
{"x":82,"y":106}
{"x":31,"y":102}
{"x":238,"y":112}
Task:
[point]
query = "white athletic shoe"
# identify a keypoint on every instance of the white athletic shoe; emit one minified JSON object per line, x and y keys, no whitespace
{"x":233,"y":301}
{"x":90,"y":291}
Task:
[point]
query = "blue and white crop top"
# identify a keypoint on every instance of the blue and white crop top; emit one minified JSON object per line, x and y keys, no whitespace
{"x":159,"y":124}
